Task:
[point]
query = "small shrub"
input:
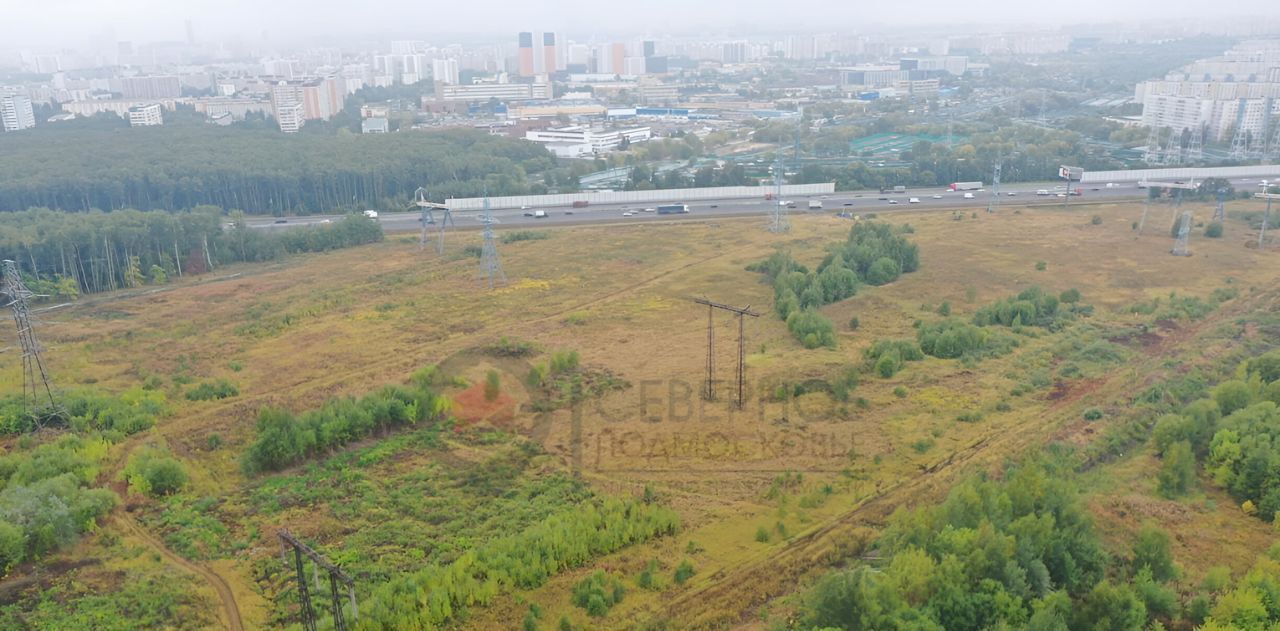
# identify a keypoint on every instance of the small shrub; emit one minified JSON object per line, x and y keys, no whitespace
{"x":900,"y":392}
{"x":944,"y":309}
{"x":235,"y":366}
{"x":854,"y":323}
{"x":211,"y":390}
{"x":684,"y":572}
{"x":1096,"y":220}
{"x":1092,"y":414}
{"x":969,"y":417}
{"x":597,"y":593}
{"x":492,"y":385}
{"x":152,"y":471}
{"x":922,"y":445}
{"x":762,"y":535}
{"x":1213,"y":230}
{"x":1041,"y":266}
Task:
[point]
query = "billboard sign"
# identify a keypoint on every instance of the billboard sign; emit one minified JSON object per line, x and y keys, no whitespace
{"x":1070,"y":173}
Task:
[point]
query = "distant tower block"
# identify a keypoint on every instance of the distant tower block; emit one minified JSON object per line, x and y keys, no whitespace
{"x":490,"y":265}
{"x":1273,"y":147}
{"x":1184,"y":233}
{"x":37,"y":386}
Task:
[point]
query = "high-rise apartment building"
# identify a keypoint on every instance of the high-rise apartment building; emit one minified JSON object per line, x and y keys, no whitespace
{"x":309,"y":99}
{"x":445,"y":71}
{"x":617,"y":58}
{"x":524,"y":56}
{"x":549,"y":63}
{"x":146,"y":115}
{"x":16,"y":113}
{"x":151,"y":87}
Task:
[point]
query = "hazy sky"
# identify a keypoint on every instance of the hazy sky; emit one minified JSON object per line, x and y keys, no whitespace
{"x":78,"y":23}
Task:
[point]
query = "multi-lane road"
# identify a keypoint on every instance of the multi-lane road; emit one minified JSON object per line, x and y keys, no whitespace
{"x":855,"y":202}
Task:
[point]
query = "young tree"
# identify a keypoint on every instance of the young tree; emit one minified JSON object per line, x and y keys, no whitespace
{"x":1178,"y":471}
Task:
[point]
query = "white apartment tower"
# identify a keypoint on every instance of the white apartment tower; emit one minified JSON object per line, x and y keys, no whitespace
{"x":16,"y":113}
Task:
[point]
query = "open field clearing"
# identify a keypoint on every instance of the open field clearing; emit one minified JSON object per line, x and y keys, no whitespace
{"x":823,"y":450}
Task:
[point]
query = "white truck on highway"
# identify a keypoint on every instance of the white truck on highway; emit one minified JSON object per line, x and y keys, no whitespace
{"x":815,"y":204}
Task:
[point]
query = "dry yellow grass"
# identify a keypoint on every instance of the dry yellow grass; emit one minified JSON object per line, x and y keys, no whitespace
{"x":621,"y":297}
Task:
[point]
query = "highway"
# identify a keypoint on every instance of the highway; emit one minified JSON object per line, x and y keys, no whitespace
{"x":855,"y":202}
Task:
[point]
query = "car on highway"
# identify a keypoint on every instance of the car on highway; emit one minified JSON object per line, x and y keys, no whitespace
{"x":1062,"y":194}
{"x":326,"y":221}
{"x":627,"y":214}
{"x":568,"y":212}
{"x":524,"y":208}
{"x":893,"y":201}
{"x":539,"y":214}
{"x":715,"y":205}
{"x":1011,"y":193}
{"x":847,"y":204}
{"x":372,"y":214}
{"x":528,"y":213}
{"x":650,"y":210}
{"x":281,"y":221}
{"x":968,"y":195}
{"x":937,"y":197}
{"x":884,"y":199}
{"x":913,"y":200}
{"x":1043,"y":193}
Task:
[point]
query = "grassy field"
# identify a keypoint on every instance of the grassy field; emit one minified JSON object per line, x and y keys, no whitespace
{"x":766,"y":494}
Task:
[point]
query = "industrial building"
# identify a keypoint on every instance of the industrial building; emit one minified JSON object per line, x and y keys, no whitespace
{"x":499,"y":91}
{"x":579,"y":140}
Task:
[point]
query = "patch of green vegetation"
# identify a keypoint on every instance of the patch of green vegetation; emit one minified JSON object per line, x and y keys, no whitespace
{"x":525,"y":235}
{"x":155,"y":472}
{"x":953,"y":339}
{"x":283,"y":439}
{"x":873,"y":254}
{"x":887,"y":357}
{"x":525,"y":560}
{"x":212,"y":390}
{"x":129,"y":601}
{"x":597,"y":593}
{"x":1032,"y":307}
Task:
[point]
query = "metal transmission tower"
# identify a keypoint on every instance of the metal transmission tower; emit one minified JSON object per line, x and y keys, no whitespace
{"x":37,"y":387}
{"x":1195,"y":146}
{"x":1220,"y":210}
{"x":490,"y":266}
{"x":1240,"y":141}
{"x":1273,"y":145}
{"x":1173,"y":150}
{"x":1153,"y":156}
{"x":1184,"y":232}
{"x":1262,"y":148}
{"x":306,"y":609}
{"x":994,"y":204}
{"x":1266,"y":217}
{"x":778,"y":221}
{"x":742,"y":346}
{"x":428,"y":218}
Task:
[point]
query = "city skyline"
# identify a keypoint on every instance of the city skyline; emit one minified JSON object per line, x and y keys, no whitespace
{"x":78,"y":23}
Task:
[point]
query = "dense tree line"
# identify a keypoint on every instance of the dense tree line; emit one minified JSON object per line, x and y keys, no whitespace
{"x":182,"y":167}
{"x":874,"y":254}
{"x":284,"y":439}
{"x":63,"y":254}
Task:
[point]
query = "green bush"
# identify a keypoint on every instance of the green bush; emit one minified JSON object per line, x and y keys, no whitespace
{"x":951,"y":339}
{"x":684,"y":572}
{"x":854,"y":323}
{"x":883,"y":271}
{"x":1041,"y":266}
{"x":1096,"y":220}
{"x":1151,"y":550}
{"x":597,"y":593}
{"x":1178,"y":471}
{"x":153,"y":471}
{"x":762,"y":535}
{"x":212,"y":390}
{"x":524,"y":235}
{"x":812,"y":328}
{"x":1092,"y":414}
{"x":492,"y":385}
{"x":1213,"y":230}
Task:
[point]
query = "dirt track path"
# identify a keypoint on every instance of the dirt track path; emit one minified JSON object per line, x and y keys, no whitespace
{"x":230,"y":611}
